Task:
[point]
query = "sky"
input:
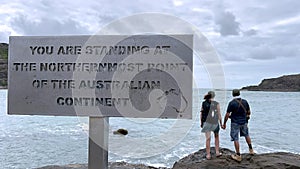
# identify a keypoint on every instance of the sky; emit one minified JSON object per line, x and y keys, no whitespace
{"x":253,"y":39}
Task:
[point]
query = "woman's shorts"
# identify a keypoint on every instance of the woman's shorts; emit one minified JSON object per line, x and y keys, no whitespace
{"x":207,"y":127}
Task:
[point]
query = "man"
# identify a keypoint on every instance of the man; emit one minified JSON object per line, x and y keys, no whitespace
{"x":238,"y":111}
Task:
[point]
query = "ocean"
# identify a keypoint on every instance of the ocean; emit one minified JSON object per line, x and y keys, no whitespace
{"x":36,"y":141}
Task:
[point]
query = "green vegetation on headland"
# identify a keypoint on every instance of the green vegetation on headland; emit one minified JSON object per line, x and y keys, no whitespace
{"x":287,"y":83}
{"x":3,"y":64}
{"x":3,"y":51}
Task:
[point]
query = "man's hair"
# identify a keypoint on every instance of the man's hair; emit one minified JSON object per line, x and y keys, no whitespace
{"x":235,"y":92}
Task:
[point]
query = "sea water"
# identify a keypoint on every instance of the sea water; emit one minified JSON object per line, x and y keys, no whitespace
{"x":36,"y":141}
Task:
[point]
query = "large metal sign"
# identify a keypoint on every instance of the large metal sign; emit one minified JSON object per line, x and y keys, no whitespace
{"x":102,"y":76}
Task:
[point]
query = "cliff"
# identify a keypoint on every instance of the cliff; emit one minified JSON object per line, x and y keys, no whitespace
{"x":197,"y":160}
{"x":287,"y":83}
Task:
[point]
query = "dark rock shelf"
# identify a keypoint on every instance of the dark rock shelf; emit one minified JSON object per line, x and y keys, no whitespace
{"x":197,"y":160}
{"x":287,"y":83}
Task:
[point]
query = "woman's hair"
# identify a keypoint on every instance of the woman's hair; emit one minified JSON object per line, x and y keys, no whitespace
{"x":209,"y":95}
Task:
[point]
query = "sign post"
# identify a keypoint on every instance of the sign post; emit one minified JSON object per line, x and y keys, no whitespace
{"x":139,"y":76}
{"x":98,"y":142}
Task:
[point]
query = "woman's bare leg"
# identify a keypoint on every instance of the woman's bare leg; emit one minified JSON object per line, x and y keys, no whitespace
{"x":208,"y":135}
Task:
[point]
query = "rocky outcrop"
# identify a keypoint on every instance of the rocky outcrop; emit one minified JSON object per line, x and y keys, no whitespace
{"x":197,"y":160}
{"x":116,"y":165}
{"x":271,"y":160}
{"x":287,"y":83}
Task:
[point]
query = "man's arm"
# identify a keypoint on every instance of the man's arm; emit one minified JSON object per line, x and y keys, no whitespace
{"x":248,"y":113}
{"x":225,"y":120}
{"x":227,"y":115}
{"x":248,"y":109}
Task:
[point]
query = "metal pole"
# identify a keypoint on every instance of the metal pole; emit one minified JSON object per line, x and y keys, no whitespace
{"x":98,"y":143}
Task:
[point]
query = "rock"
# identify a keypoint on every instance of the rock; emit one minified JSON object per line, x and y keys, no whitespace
{"x":124,"y":165}
{"x":271,"y":160}
{"x":70,"y":166}
{"x":197,"y":160}
{"x":121,"y":132}
{"x":115,"y":165}
{"x":287,"y":83}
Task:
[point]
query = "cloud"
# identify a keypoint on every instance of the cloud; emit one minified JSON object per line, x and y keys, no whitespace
{"x":177,"y":2}
{"x":250,"y":32}
{"x":5,"y":32}
{"x":245,"y":49}
{"x":46,"y":26}
{"x":242,"y":33}
{"x":4,"y":36}
{"x":272,"y":51}
{"x":262,"y":52}
{"x":227,"y":23}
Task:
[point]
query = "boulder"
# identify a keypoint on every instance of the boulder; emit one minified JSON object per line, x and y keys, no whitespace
{"x":121,"y":132}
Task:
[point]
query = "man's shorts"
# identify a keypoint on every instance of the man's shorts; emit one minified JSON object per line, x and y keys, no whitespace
{"x":236,"y":129}
{"x":207,"y":127}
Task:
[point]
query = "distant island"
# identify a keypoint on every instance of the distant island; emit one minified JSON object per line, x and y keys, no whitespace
{"x":286,"y":83}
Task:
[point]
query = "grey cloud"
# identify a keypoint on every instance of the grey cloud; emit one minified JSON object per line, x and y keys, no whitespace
{"x":225,"y":20}
{"x":277,"y":46}
{"x":258,"y":47}
{"x":105,"y":18}
{"x":262,"y":52}
{"x":47,"y":26}
{"x":227,"y":23}
{"x":56,"y":17}
{"x":250,"y":32}
{"x":232,"y":56}
{"x":281,"y":9}
{"x":288,"y":32}
{"x":263,"y":12}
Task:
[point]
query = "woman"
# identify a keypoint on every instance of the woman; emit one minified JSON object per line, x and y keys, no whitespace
{"x":210,"y":121}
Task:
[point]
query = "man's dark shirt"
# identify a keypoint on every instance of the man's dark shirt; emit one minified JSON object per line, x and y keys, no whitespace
{"x":238,"y":114}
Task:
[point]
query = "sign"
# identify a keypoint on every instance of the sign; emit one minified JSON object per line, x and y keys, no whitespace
{"x":101,"y":76}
